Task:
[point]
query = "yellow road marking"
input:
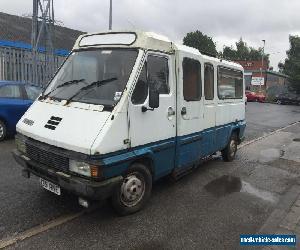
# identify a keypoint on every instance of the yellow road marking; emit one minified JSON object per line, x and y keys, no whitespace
{"x":38,"y":229}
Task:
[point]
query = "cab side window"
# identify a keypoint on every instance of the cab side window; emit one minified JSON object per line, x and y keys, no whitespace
{"x":155,"y":72}
{"x":140,"y":92}
{"x":158,"y":73}
{"x":209,"y":81}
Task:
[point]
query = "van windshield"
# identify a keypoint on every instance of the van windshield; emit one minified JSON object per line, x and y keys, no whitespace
{"x":77,"y":77}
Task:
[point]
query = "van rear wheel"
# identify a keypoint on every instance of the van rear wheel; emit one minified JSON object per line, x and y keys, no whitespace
{"x":132,"y":194}
{"x":228,"y":153}
{"x":2,"y":131}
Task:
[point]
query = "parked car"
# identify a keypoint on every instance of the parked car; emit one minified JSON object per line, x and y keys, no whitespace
{"x":288,"y":98}
{"x":15,"y":99}
{"x":255,"y":97}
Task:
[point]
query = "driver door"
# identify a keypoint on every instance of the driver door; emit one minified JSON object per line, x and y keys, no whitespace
{"x":155,"y":130}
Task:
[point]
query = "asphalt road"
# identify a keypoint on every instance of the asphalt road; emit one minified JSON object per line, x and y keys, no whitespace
{"x":207,"y":209}
{"x":263,"y":118}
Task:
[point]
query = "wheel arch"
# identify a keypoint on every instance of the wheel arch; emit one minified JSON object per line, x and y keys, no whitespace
{"x":236,"y":130}
{"x":147,"y":161}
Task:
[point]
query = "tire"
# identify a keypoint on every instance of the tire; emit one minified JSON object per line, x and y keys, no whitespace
{"x":279,"y":102}
{"x":228,"y":153}
{"x":3,"y":130}
{"x":132,"y":194}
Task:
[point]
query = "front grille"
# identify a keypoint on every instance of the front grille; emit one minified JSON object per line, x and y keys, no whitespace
{"x":47,"y":158}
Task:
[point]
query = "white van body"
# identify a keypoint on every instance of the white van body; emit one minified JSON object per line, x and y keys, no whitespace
{"x":186,"y":126}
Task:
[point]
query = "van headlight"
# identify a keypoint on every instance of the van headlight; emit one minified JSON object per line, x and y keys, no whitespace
{"x":84,"y":168}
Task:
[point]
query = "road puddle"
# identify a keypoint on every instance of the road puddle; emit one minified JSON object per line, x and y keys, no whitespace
{"x":227,"y":184}
{"x":224,"y":185}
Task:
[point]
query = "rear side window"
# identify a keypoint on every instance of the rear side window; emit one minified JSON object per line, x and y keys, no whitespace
{"x":209,"y":81}
{"x":230,"y":84}
{"x":32,"y":92}
{"x":158,"y":73}
{"x":191,"y":79}
{"x":10,"y":91}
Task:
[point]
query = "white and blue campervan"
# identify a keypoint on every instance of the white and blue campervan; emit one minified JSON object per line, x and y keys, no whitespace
{"x":125,"y":109}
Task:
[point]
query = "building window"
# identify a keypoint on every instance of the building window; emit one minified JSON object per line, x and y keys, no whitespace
{"x":230,"y":83}
{"x":209,"y":82}
{"x":191,"y":79}
{"x":158,"y":73}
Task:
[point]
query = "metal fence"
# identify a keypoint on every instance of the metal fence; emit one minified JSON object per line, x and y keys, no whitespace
{"x":20,"y":65}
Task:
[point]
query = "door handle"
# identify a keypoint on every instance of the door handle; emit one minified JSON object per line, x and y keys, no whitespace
{"x":171,"y":111}
{"x":183,"y":111}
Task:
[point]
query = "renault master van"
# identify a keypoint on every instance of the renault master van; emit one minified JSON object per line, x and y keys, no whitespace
{"x":125,"y":109}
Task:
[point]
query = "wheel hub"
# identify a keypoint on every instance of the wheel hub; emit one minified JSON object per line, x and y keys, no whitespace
{"x":233,"y":148}
{"x":132,"y":190}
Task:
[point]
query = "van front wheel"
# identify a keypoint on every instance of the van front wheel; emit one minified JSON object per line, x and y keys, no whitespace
{"x":228,"y":153}
{"x":132,"y":194}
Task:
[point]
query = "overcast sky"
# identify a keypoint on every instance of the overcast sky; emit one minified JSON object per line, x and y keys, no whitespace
{"x":226,"y":21}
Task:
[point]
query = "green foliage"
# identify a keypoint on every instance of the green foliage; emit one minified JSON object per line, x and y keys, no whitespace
{"x":243,"y":52}
{"x":200,"y":41}
{"x":292,"y":63}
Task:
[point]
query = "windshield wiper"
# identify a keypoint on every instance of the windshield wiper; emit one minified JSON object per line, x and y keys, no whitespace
{"x":91,"y":85}
{"x":62,"y":85}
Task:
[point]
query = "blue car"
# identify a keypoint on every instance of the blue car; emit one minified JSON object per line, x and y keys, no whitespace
{"x":15,"y":99}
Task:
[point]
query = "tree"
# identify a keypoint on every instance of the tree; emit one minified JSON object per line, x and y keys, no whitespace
{"x":243,"y":52}
{"x":200,"y":41}
{"x":229,"y":53}
{"x":292,"y":63}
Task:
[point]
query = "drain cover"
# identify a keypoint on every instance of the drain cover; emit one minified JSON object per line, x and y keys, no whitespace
{"x":296,"y":139}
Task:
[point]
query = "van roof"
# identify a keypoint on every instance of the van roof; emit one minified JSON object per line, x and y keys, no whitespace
{"x":144,"y":40}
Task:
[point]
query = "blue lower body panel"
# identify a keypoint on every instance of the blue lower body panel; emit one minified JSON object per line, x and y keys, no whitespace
{"x":178,"y":152}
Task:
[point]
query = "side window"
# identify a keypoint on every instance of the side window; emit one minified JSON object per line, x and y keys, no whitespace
{"x":140,"y":91}
{"x":191,"y":79}
{"x":209,"y":81}
{"x":158,"y":73}
{"x":230,"y":83}
{"x":32,"y":92}
{"x":10,"y":91}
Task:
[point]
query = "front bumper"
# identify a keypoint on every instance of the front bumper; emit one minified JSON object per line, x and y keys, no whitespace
{"x":95,"y":190}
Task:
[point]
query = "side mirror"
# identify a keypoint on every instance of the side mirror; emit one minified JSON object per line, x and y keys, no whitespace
{"x":153,"y":98}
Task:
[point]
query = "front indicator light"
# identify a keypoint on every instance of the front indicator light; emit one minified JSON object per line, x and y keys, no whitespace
{"x":94,"y":171}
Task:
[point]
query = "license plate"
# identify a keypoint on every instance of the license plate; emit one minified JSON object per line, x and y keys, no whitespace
{"x":50,"y":186}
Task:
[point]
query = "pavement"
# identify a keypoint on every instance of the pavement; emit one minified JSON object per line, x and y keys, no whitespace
{"x":207,"y":209}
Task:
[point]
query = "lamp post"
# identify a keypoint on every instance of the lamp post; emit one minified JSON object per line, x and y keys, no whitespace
{"x":262,"y":63}
{"x":110,"y":15}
